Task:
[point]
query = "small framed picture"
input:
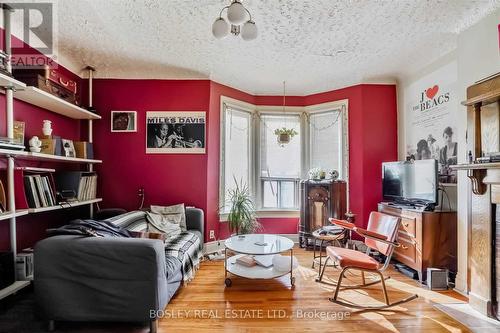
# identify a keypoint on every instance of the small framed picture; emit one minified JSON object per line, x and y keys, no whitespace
{"x":68,"y":148}
{"x":123,"y":121}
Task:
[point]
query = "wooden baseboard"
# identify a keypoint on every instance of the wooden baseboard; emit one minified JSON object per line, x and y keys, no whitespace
{"x":479,"y":303}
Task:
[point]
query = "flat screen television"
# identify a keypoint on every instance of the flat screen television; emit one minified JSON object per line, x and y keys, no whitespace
{"x":410,"y":181}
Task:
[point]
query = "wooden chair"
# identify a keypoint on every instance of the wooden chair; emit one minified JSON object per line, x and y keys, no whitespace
{"x":380,"y":235}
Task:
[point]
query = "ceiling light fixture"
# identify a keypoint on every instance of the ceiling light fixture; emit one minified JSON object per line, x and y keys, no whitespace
{"x":238,"y":23}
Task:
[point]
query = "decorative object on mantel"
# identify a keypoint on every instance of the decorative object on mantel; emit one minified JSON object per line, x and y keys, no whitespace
{"x":47,"y":128}
{"x":483,"y":93}
{"x":236,"y":15}
{"x":35,"y":144}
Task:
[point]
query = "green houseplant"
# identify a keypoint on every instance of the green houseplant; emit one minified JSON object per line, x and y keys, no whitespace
{"x":284,"y":135}
{"x":242,"y":217}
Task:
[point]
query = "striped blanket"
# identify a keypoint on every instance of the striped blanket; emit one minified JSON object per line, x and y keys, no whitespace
{"x":185,"y":246}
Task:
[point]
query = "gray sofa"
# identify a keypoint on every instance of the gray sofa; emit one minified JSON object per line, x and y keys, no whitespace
{"x":108,"y":279}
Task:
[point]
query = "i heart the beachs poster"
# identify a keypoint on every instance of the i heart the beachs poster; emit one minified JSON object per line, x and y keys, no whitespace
{"x":430,"y":117}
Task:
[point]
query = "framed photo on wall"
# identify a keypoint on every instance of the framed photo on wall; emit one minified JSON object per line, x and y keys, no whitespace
{"x":123,"y":121}
{"x":175,"y":132}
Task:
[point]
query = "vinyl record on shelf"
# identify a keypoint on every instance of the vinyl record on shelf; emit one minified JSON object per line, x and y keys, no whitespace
{"x":3,"y":200}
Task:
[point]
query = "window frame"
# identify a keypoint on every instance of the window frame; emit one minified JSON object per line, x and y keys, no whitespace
{"x":254,"y":160}
{"x":344,"y":138}
{"x":275,"y":110}
{"x":240,"y":107}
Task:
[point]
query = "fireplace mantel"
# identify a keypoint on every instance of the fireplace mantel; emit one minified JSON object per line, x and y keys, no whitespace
{"x":484,"y":201}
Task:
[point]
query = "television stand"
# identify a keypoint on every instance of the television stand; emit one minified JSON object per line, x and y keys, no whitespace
{"x":428,"y":239}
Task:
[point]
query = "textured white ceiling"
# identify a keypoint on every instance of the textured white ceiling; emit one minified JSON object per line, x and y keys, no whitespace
{"x":315,"y":45}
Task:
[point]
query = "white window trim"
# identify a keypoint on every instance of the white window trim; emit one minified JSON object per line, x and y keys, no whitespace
{"x":245,"y":107}
{"x":305,"y":152}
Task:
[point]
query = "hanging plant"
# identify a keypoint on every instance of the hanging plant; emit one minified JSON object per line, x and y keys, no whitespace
{"x":284,"y":135}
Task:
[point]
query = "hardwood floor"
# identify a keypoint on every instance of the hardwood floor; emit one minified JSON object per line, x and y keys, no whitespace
{"x":206,"y":305}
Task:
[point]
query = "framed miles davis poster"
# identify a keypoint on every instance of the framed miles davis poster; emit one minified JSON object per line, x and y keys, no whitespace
{"x":172,"y":132}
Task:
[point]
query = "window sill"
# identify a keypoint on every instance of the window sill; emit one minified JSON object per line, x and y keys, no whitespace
{"x":265,"y":213}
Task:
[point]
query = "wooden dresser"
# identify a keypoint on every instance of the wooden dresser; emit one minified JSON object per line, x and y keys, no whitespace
{"x":428,"y":239}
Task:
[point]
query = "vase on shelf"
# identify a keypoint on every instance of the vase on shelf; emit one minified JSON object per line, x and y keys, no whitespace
{"x":47,"y":128}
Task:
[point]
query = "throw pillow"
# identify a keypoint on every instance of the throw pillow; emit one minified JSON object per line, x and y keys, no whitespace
{"x":160,"y":224}
{"x":173,"y":214}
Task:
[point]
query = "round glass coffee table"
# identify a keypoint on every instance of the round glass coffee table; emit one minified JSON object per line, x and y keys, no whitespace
{"x":256,"y":245}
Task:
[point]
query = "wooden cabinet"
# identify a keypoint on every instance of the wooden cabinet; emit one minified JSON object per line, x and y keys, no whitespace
{"x":319,"y":201}
{"x":428,"y":239}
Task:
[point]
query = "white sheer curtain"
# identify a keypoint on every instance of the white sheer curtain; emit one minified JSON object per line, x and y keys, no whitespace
{"x":237,"y":152}
{"x":325,"y":140}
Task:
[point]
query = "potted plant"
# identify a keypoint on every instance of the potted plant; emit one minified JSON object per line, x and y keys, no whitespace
{"x":284,"y":135}
{"x":242,"y":218}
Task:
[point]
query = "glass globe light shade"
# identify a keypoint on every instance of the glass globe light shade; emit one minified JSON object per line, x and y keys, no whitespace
{"x":236,"y":13}
{"x":220,"y":28}
{"x":249,"y":31}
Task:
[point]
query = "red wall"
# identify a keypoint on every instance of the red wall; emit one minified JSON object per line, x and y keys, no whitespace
{"x":372,"y":112}
{"x":166,"y":178}
{"x":194,"y":179}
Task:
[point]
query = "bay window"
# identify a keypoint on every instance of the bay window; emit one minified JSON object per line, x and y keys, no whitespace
{"x":280,"y":165}
{"x":236,"y":150}
{"x":251,"y":153}
{"x":326,"y":140}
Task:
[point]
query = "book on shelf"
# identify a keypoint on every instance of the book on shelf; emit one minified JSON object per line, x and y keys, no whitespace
{"x":3,"y":198}
{"x":24,"y":266}
{"x":38,"y":186}
{"x":39,"y":192}
{"x":83,"y":184}
{"x":84,"y":149}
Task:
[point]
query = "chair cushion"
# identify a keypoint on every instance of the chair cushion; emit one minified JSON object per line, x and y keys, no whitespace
{"x":351,"y":258}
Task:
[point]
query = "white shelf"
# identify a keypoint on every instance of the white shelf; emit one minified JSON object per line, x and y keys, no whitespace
{"x":7,"y":81}
{"x":52,"y":103}
{"x":13,"y":288}
{"x":63,"y":206}
{"x":26,"y":155}
{"x":9,"y":215}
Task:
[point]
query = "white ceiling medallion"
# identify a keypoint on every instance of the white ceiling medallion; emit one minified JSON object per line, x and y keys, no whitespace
{"x":236,"y":15}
